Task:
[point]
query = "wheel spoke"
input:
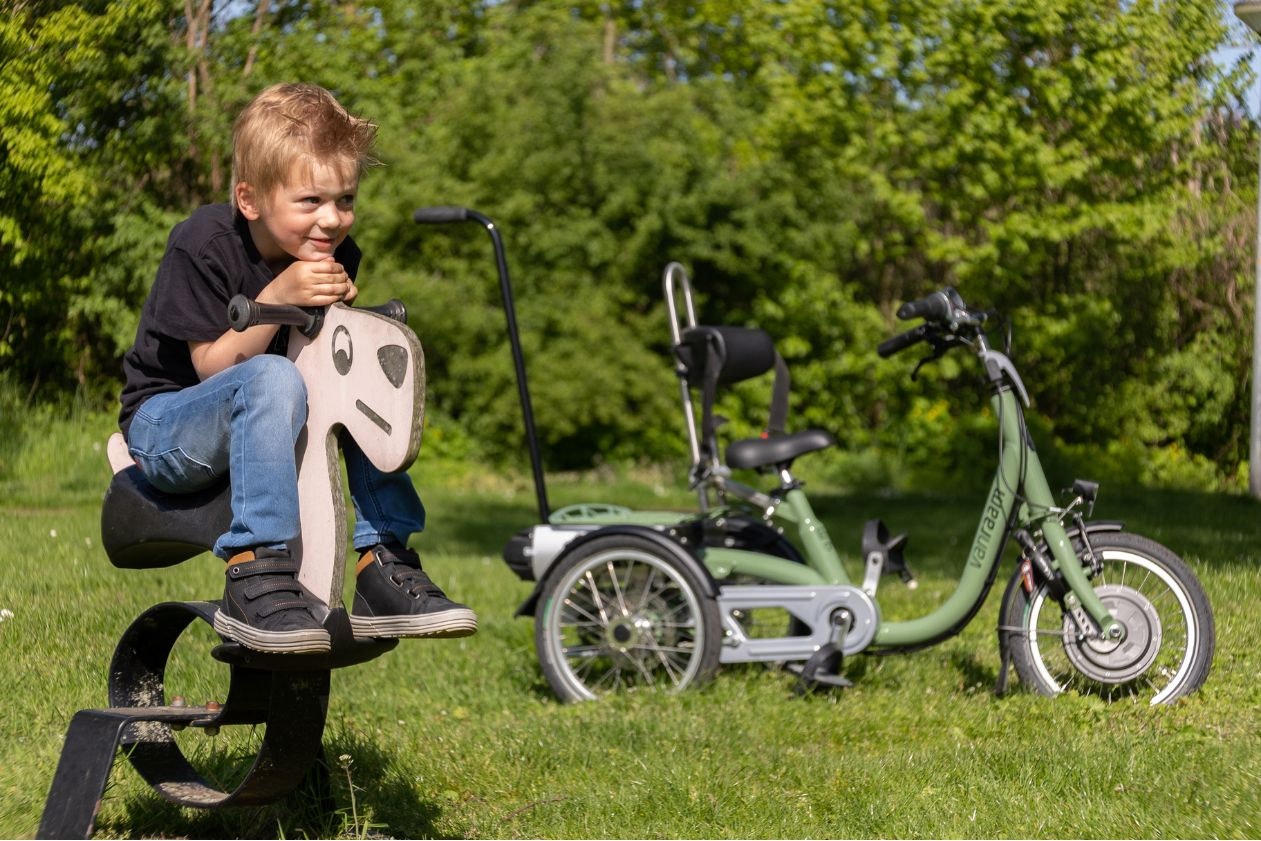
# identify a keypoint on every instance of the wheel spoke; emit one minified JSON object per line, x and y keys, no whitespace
{"x":672,"y":671}
{"x":592,"y":621}
{"x":617,"y":588}
{"x":646,"y":592}
{"x":595,"y":596}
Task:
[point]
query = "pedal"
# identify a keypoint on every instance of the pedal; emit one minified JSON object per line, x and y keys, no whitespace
{"x":883,"y":555}
{"x":822,"y":669}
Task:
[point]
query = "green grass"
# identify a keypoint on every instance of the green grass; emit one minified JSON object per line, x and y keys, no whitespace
{"x":462,"y":738}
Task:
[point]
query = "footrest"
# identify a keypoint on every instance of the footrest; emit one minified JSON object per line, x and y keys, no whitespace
{"x":882,"y":555}
{"x":824,"y":678}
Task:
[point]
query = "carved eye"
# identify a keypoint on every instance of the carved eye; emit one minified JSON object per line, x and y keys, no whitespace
{"x":393,"y":359}
{"x":343,"y":350}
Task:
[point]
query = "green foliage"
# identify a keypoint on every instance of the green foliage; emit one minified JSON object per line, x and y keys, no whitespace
{"x":1083,"y":166}
{"x":84,"y":135}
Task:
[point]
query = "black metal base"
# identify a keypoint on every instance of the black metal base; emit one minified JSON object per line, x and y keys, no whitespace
{"x":288,"y":693}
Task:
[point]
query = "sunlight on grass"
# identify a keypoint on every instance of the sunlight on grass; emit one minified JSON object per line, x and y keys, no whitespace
{"x":461,"y":738}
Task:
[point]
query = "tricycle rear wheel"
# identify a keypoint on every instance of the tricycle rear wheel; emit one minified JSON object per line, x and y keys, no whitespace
{"x":621,"y":614}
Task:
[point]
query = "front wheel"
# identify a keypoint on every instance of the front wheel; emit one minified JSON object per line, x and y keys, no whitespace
{"x":1168,"y":647}
{"x":619,"y":614}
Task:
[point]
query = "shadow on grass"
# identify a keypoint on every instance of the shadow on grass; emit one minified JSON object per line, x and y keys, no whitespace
{"x":383,"y":804}
{"x":972,"y":672}
{"x":475,"y":525}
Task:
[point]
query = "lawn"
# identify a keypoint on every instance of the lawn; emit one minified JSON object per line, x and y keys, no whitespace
{"x":462,"y":738}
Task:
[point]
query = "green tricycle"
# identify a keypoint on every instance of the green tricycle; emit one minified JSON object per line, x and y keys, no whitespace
{"x":629,"y":599}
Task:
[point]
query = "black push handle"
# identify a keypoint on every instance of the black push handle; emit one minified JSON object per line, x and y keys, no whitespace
{"x":244,"y":313}
{"x":935,"y":307}
{"x":441,"y":215}
{"x":902,"y":341}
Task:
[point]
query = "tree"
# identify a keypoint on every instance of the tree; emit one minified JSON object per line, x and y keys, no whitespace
{"x":1082,"y":165}
{"x":83,"y":129}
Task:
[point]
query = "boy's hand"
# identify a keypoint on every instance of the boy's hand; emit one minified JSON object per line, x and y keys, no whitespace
{"x":306,"y":283}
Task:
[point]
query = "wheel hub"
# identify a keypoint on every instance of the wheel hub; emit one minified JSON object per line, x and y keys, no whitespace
{"x":630,"y":631}
{"x":1117,"y":661}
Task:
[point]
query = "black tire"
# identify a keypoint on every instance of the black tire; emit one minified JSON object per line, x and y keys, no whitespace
{"x":1169,"y":645}
{"x":621,"y":613}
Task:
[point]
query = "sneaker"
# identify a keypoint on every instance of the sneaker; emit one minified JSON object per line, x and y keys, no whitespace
{"x":395,"y":598}
{"x":266,"y":609}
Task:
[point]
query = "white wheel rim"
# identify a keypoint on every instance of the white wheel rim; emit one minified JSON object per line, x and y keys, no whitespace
{"x":1123,"y":556}
{"x":636,"y":613}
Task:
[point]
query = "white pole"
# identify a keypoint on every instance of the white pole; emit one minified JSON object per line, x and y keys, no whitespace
{"x":1250,"y":13}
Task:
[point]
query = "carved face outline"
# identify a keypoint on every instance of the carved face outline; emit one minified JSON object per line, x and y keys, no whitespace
{"x":393,"y":360}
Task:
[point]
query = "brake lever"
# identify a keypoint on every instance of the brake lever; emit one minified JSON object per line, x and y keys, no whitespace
{"x":940,"y":346}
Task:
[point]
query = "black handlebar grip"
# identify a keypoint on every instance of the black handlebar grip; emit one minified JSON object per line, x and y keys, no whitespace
{"x":440,"y":215}
{"x":935,"y":307}
{"x":393,"y":308}
{"x":902,"y":341}
{"x":244,"y":313}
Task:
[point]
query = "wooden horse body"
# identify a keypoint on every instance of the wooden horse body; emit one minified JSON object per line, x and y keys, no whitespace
{"x":365,"y":373}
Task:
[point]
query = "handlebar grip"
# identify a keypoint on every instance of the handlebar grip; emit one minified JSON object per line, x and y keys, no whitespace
{"x":935,"y":307}
{"x":244,"y":313}
{"x":393,"y":308}
{"x":902,"y":341}
{"x":440,"y":215}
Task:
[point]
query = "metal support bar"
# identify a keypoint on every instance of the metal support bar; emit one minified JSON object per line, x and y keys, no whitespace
{"x":291,"y":700}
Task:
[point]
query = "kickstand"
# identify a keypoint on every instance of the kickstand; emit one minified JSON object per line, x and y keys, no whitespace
{"x":1004,"y":654}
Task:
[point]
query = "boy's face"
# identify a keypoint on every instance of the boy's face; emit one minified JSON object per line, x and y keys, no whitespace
{"x":305,"y":218}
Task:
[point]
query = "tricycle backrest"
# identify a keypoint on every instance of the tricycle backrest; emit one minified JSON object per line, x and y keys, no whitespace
{"x":738,"y":353}
{"x":712,"y":356}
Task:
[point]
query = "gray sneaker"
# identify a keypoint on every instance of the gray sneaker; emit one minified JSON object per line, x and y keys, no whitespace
{"x":266,"y":609}
{"x":395,"y":598}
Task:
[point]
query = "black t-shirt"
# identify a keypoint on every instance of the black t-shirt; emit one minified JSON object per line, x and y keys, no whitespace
{"x":210,"y":257}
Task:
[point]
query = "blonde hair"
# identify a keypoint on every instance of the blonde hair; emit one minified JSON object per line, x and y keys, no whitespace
{"x":291,"y":125}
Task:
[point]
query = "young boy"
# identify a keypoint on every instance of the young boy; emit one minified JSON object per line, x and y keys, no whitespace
{"x":202,"y":401}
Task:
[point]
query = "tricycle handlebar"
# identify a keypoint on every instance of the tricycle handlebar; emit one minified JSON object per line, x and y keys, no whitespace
{"x":902,"y":341}
{"x":440,"y":215}
{"x":947,"y":322}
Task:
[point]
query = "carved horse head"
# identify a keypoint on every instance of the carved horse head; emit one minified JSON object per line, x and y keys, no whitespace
{"x":364,"y":373}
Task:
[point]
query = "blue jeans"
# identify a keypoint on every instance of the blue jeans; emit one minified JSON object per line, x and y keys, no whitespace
{"x":244,"y":422}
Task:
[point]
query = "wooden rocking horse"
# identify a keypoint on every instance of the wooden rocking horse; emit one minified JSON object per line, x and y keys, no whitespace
{"x":364,"y":372}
